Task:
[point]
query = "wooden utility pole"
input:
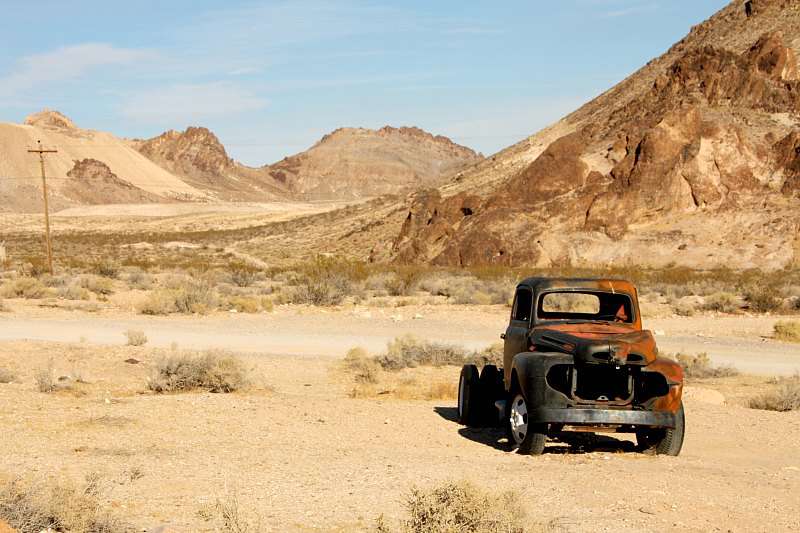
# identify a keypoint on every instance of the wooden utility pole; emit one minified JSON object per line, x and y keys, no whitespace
{"x":41,"y":151}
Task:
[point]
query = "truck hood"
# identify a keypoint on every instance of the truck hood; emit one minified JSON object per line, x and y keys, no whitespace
{"x":594,"y":343}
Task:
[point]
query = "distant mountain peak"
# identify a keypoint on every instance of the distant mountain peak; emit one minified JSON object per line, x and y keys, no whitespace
{"x":50,"y":119}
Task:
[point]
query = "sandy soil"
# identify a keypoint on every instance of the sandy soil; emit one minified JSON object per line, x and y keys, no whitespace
{"x":301,"y":454}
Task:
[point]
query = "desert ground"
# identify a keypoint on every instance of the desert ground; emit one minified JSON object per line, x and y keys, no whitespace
{"x":298,"y":452}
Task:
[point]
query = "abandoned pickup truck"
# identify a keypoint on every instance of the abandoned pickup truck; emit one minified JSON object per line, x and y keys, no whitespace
{"x":576,"y":359}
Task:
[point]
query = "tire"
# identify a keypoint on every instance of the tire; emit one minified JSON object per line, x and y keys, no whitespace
{"x":666,"y":441}
{"x":492,"y":389}
{"x":469,"y":396}
{"x":528,"y":439}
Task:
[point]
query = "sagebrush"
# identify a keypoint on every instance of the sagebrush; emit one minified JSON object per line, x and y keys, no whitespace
{"x":212,"y":371}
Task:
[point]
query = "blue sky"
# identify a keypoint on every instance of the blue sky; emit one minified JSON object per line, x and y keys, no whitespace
{"x":271,"y":77}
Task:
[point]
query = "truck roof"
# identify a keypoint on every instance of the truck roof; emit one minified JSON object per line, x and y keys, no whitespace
{"x":612,"y":285}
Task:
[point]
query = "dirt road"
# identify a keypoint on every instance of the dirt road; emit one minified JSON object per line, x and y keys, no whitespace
{"x":306,"y":331}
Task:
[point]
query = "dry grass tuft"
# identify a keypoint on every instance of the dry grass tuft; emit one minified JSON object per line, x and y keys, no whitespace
{"x":212,"y":371}
{"x":187,"y":296}
{"x":327,"y":281}
{"x":135,"y":337}
{"x":7,"y":376}
{"x":25,"y":287}
{"x":228,"y":517}
{"x":243,"y":274}
{"x":787,"y":330}
{"x":45,"y":378}
{"x":73,"y":291}
{"x":462,"y":507}
{"x":785,"y":398}
{"x":763,"y":298}
{"x":105,"y":268}
{"x":700,"y":366}
{"x":409,"y":352}
{"x":3,"y":307}
{"x":722,"y":302}
{"x":365,"y":369}
{"x":97,"y":284}
{"x":56,"y":505}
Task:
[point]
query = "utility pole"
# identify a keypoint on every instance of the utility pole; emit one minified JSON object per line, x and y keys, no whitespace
{"x":41,"y":151}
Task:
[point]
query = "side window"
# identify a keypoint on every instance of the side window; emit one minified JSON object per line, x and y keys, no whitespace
{"x":523,"y":302}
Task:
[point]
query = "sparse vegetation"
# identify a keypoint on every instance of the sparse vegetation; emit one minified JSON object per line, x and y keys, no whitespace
{"x":106,"y":268}
{"x":25,"y":287}
{"x":6,"y":376}
{"x":244,"y":304}
{"x":408,"y":352}
{"x":365,"y":369}
{"x":135,"y":337}
{"x":723,"y":302}
{"x":73,"y":291}
{"x":787,"y":330}
{"x":462,"y":507}
{"x":57,"y":505}
{"x":243,"y":274}
{"x":96,"y":284}
{"x":763,"y":298}
{"x":3,"y":306}
{"x":228,"y":516}
{"x":213,"y":371}
{"x":45,"y":378}
{"x":700,"y":367}
{"x":189,"y":296}
{"x":327,"y":281}
{"x":786,"y":396}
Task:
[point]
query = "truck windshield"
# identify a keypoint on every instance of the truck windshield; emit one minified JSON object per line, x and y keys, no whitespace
{"x":585,"y":306}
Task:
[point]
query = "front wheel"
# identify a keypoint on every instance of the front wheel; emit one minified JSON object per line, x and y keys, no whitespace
{"x":664,"y":441}
{"x":527,"y":438}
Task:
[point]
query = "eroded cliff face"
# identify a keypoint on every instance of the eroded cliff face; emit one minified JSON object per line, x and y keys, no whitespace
{"x":716,"y":135}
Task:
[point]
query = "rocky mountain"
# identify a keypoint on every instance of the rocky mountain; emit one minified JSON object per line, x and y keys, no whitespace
{"x":694,"y":159}
{"x":358,"y":162}
{"x":200,"y":159}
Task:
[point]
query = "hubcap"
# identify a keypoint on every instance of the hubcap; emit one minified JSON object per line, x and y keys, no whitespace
{"x":519,"y":419}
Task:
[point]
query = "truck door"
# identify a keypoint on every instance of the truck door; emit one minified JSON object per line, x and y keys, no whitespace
{"x":516,"y":336}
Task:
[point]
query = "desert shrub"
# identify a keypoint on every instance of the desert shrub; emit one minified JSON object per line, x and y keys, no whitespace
{"x":212,"y":371}
{"x":3,"y":307}
{"x":467,"y":289}
{"x":409,"y":352}
{"x":45,"y":378}
{"x":97,"y":284}
{"x":135,"y":337}
{"x":700,"y":366}
{"x":364,"y":368}
{"x":684,"y":308}
{"x":190,"y":296}
{"x":785,"y":398}
{"x":73,"y":291}
{"x":243,"y":274}
{"x":243,"y":304}
{"x":34,"y":267}
{"x":24,"y":287}
{"x":228,"y":516}
{"x":267,"y":304}
{"x":787,"y":330}
{"x":105,"y":268}
{"x":57,"y":505}
{"x":6,"y":376}
{"x":328,"y":281}
{"x":763,"y":298}
{"x":491,"y":355}
{"x":139,"y":280}
{"x":462,"y":507}
{"x":158,"y":302}
{"x":723,"y":302}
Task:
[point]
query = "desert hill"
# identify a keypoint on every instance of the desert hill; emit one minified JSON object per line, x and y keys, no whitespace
{"x":359,"y":162}
{"x":692,"y":160}
{"x":73,"y":181}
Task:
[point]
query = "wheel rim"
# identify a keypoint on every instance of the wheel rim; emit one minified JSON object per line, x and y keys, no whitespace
{"x":461,"y":396}
{"x":519,"y":419}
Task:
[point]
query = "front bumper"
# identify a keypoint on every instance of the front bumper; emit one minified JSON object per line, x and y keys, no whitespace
{"x":601,"y":417}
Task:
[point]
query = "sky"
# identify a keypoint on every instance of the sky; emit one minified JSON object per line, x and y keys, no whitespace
{"x":270,"y":78}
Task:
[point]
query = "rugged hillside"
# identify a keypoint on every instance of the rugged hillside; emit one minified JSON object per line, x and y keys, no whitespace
{"x":692,"y":160}
{"x":197,"y":156}
{"x":117,"y":174}
{"x":358,"y":162}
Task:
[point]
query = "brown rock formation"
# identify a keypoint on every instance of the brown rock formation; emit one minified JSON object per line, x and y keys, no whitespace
{"x":92,"y":182}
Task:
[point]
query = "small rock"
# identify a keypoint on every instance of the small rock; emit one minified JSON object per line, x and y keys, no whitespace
{"x":132,"y":361}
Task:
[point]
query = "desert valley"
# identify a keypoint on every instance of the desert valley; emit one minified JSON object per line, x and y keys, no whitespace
{"x":236,"y":348}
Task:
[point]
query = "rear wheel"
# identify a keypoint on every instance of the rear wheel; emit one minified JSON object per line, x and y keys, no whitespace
{"x":527,"y":438}
{"x":469,"y":396}
{"x":492,"y":390}
{"x":664,"y":441}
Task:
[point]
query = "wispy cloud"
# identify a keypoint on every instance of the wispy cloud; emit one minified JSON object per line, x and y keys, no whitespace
{"x":66,"y":63}
{"x":190,"y":103}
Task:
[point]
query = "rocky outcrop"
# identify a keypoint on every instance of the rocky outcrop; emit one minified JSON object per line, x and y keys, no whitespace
{"x":92,"y":182}
{"x":699,"y":141}
{"x":52,"y":120}
{"x":195,"y":152}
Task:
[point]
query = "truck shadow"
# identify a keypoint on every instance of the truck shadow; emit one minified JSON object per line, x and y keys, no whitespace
{"x":564,"y":443}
